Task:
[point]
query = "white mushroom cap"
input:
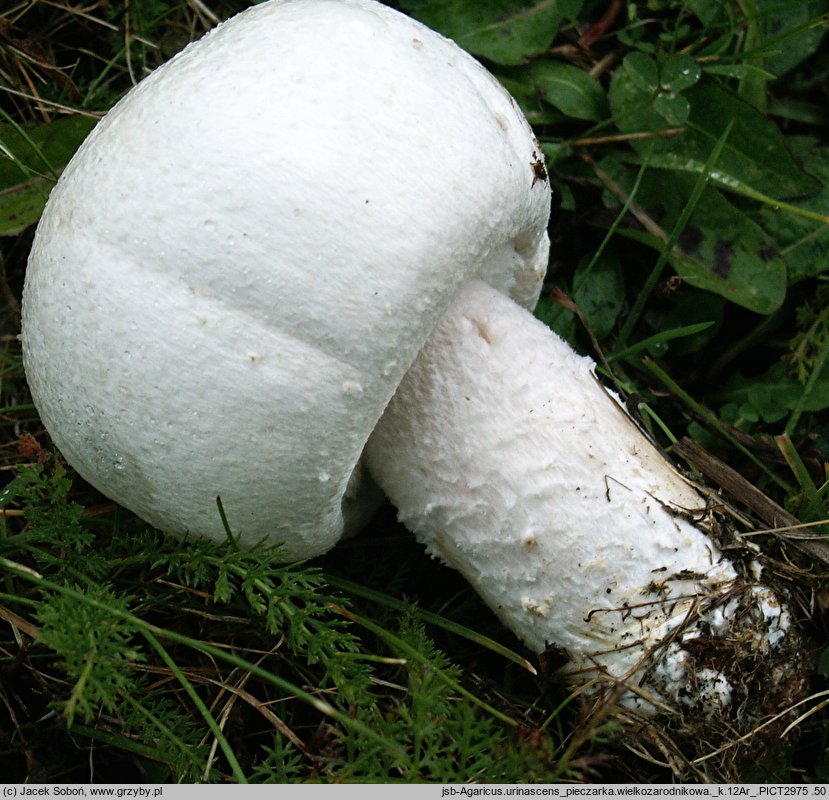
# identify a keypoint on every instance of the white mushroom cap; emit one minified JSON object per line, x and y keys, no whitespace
{"x":239,"y":265}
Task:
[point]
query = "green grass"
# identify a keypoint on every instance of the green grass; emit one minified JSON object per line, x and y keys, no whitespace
{"x":699,"y":273}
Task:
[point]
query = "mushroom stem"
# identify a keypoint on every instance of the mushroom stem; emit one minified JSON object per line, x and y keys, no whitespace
{"x":512,"y":464}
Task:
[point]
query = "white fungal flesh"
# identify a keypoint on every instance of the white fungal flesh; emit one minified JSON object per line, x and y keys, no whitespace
{"x":514,"y":466}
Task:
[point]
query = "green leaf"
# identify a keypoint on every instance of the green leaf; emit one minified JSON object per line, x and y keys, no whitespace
{"x":755,"y":153}
{"x":501,"y":30}
{"x":721,"y":249}
{"x":642,"y":71}
{"x":554,"y":316}
{"x":13,"y":489}
{"x":673,"y":108}
{"x":755,"y":159}
{"x":803,"y":242}
{"x":568,"y":88}
{"x":532,"y":104}
{"x":738,"y":71}
{"x":774,"y":394}
{"x":709,"y":11}
{"x":735,"y":259}
{"x":679,"y":72}
{"x":799,"y":111}
{"x":792,"y":29}
{"x":30,"y":162}
{"x":601,"y":294}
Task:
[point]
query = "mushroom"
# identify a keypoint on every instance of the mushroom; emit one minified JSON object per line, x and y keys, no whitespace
{"x":299,"y":256}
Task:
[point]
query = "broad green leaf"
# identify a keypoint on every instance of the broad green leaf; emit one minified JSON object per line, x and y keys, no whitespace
{"x":632,"y":104}
{"x":568,"y":88}
{"x":673,"y":108}
{"x":791,"y":30}
{"x":679,"y":72}
{"x":803,"y":242}
{"x":501,"y":30}
{"x":815,"y":114}
{"x":533,"y":106}
{"x":552,"y":314}
{"x":721,"y":250}
{"x":774,"y":394}
{"x":600,"y":294}
{"x":734,"y":258}
{"x":30,"y":162}
{"x":709,"y":11}
{"x":22,"y":205}
{"x":756,"y":153}
{"x":642,"y":70}
{"x":755,"y":157}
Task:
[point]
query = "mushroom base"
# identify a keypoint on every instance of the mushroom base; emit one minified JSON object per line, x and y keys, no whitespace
{"x":513,"y":465}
